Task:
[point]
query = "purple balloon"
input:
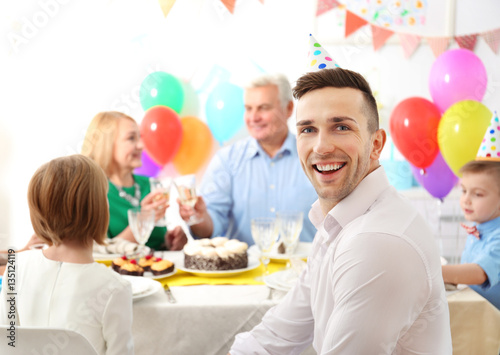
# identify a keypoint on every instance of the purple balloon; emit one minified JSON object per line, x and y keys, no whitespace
{"x":149,"y":167}
{"x":457,"y":75}
{"x":438,"y":179}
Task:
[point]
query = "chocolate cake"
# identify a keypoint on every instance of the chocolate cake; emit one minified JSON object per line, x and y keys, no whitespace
{"x":215,"y":254}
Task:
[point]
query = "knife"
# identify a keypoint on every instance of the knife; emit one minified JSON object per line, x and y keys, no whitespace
{"x":170,"y":296}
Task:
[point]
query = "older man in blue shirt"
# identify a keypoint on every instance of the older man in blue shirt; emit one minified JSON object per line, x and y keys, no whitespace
{"x":256,"y":176}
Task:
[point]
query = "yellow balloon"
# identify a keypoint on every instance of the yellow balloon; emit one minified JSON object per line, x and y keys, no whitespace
{"x":460,"y":132}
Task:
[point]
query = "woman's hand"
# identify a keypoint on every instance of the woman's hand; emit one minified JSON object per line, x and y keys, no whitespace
{"x":155,"y":201}
{"x":175,"y":239}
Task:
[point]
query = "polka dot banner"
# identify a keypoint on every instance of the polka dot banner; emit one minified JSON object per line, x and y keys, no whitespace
{"x":490,"y":148}
{"x":319,"y":57}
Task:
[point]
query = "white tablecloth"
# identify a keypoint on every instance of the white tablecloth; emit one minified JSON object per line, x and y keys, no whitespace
{"x":204,"y":320}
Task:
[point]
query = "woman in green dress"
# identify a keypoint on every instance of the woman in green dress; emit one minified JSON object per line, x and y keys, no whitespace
{"x":113,"y":140}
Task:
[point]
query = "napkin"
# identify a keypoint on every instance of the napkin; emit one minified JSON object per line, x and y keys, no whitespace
{"x":120,"y":246}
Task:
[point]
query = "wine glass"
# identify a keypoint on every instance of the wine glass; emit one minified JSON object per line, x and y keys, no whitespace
{"x":290,"y":225}
{"x":186,"y":187}
{"x":141,"y":223}
{"x":264,"y":234}
{"x":162,"y":185}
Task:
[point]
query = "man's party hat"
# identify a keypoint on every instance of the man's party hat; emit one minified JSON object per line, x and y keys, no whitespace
{"x":489,"y":149}
{"x":319,"y":57}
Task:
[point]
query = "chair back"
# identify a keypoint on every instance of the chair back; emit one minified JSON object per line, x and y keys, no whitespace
{"x":42,"y":341}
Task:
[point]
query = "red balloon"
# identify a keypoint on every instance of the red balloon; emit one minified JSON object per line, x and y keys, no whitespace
{"x":413,"y":126}
{"x":161,"y":132}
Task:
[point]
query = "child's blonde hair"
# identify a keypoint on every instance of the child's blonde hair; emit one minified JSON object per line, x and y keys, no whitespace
{"x":68,"y":201}
{"x":483,"y":167}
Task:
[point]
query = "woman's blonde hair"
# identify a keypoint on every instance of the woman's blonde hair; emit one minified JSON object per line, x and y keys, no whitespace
{"x":101,"y":136}
{"x":67,"y":198}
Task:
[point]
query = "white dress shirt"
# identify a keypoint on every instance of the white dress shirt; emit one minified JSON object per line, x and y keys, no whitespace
{"x":90,"y":299}
{"x":373,"y":284}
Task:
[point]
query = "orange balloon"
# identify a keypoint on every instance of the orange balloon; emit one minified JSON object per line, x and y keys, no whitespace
{"x":196,"y":146}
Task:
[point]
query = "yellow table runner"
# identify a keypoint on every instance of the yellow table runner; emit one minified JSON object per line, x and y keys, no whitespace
{"x":182,"y":278}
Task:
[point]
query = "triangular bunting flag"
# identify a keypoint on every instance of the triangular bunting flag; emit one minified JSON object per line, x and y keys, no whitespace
{"x":409,"y":43}
{"x":229,"y":4}
{"x":166,"y":5}
{"x":262,"y":2}
{"x":326,"y":5}
{"x":353,"y":22}
{"x":467,"y":41}
{"x":438,"y":44}
{"x":493,"y":39}
{"x":380,"y":36}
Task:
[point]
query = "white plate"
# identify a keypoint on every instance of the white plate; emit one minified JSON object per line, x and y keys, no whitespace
{"x":253,"y":263}
{"x":150,"y":275}
{"x":281,"y":280}
{"x":142,"y":286}
{"x":303,"y":250}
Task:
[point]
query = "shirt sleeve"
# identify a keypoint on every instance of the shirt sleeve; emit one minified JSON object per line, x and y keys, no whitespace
{"x":285,"y":329}
{"x":379,"y":286}
{"x":117,"y":322}
{"x":489,"y":261}
{"x":216,"y":190}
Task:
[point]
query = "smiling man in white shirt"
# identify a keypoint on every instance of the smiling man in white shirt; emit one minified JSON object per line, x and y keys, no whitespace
{"x":373,"y":282}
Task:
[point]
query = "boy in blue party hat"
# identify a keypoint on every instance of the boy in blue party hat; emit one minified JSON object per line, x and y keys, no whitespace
{"x":480,"y":202}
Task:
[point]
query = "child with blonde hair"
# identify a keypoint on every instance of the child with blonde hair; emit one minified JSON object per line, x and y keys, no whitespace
{"x":480,"y":202}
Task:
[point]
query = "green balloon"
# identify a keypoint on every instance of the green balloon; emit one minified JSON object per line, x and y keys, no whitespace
{"x":163,"y":89}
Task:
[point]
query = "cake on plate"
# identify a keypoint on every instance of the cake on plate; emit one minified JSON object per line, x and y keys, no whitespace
{"x":161,"y":267}
{"x":131,"y":268}
{"x":117,"y":263}
{"x":216,"y":254}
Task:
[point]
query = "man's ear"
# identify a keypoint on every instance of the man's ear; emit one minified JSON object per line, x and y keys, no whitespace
{"x":289,"y":109}
{"x":378,"y":142}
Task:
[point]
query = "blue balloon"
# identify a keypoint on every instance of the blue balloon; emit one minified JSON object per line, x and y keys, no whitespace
{"x":224,"y":110}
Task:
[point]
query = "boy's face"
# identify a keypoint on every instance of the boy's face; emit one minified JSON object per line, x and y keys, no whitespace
{"x":480,"y":198}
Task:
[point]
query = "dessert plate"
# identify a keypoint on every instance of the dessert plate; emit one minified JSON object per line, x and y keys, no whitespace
{"x":142,"y":286}
{"x":150,"y":275}
{"x":253,"y":263}
{"x":303,"y":250}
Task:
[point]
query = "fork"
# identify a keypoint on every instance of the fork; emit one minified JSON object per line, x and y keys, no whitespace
{"x":170,"y":296}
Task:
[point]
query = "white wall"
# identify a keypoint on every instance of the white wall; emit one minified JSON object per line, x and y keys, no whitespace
{"x":75,"y":58}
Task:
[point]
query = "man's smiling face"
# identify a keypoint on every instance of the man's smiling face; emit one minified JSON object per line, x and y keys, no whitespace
{"x":335,"y":147}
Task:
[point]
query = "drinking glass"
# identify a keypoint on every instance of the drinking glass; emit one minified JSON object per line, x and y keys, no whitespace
{"x":162,"y":185}
{"x":186,"y":187}
{"x":290,"y":225}
{"x":264,"y":234}
{"x":141,"y":223}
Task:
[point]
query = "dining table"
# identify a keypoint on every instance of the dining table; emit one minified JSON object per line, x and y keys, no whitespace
{"x":211,"y":310}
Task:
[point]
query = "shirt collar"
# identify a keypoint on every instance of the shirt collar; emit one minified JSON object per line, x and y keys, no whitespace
{"x":356,"y":203}
{"x":489,"y":226}
{"x":289,"y":146}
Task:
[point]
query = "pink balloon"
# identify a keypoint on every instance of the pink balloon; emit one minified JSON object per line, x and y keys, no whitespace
{"x":457,"y":75}
{"x":438,"y":179}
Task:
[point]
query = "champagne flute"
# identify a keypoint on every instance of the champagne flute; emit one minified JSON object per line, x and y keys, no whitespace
{"x":264,"y":233}
{"x":290,"y":225}
{"x":141,"y":223}
{"x":186,"y":187}
{"x":161,"y":185}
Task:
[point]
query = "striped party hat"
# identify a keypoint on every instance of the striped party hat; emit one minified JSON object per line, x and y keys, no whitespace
{"x":490,"y":149}
{"x":319,"y":57}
